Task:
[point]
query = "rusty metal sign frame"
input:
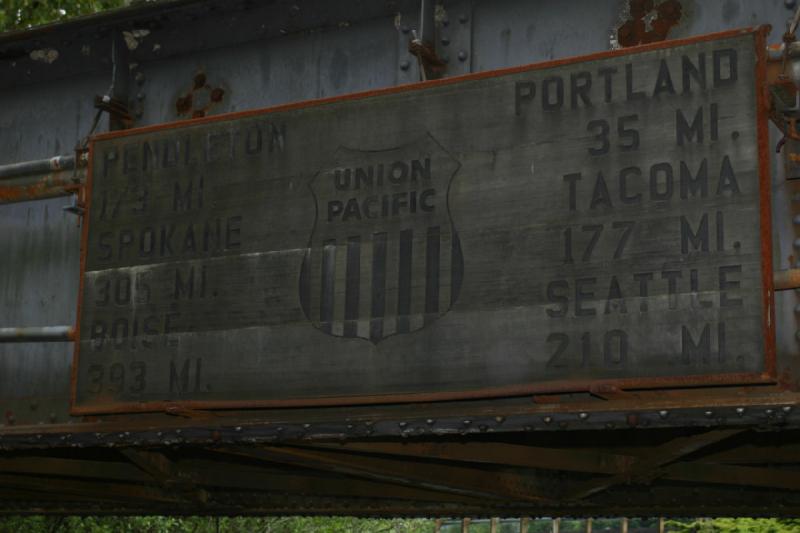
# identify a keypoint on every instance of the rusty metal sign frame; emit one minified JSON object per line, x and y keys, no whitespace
{"x":769,"y":374}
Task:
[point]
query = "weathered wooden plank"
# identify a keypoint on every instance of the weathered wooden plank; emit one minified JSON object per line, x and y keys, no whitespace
{"x":535,"y":229}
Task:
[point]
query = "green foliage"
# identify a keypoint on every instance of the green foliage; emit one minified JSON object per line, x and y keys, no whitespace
{"x":203,"y":524}
{"x":20,"y":14}
{"x":735,"y":525}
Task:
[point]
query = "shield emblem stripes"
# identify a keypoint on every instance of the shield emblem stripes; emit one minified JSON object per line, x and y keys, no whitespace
{"x":384,"y":257}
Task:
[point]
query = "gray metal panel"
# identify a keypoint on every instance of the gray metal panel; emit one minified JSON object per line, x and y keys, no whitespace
{"x":267,"y":73}
{"x":38,"y":281}
{"x":47,"y":120}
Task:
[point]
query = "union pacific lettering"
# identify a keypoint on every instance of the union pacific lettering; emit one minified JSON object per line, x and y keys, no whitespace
{"x":383,"y":190}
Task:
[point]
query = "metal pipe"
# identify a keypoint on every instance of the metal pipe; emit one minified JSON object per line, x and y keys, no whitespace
{"x":786,"y":279}
{"x":38,"y":334}
{"x":427,"y":18}
{"x":40,"y":166}
{"x":41,"y":186}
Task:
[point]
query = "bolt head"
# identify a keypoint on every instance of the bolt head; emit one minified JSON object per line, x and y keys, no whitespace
{"x":405,"y":29}
{"x":740,"y":411}
{"x":548,"y":419}
{"x":663,"y":413}
{"x":405,"y":64}
{"x":445,"y":40}
{"x":462,"y":56}
{"x":583,"y":416}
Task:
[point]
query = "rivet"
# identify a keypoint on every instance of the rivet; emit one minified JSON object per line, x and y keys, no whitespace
{"x":368,"y":423}
{"x":237,"y":428}
{"x":709,"y":414}
{"x":769,"y":412}
{"x":583,"y":416}
{"x":402,"y":424}
{"x":663,"y":413}
{"x":462,"y":56}
{"x":499,"y":419}
{"x":430,"y":421}
{"x":306,"y":426}
{"x":159,"y":434}
{"x":445,"y":40}
{"x":405,"y":28}
{"x":463,"y":18}
{"x":405,"y":64}
{"x":547,"y":419}
{"x":740,"y":411}
{"x":467,"y":422}
{"x":787,"y":408}
{"x":39,"y":436}
{"x":349,"y":426}
{"x":121,"y":436}
{"x":279,"y":429}
{"x":139,"y":78}
{"x":140,"y":96}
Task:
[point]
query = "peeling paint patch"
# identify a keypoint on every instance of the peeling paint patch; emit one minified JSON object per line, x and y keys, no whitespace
{"x":45,"y":55}
{"x":439,"y":14}
{"x":132,"y":38}
{"x":647,"y":21}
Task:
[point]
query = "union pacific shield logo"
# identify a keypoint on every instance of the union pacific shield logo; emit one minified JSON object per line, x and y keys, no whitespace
{"x":384,"y":257}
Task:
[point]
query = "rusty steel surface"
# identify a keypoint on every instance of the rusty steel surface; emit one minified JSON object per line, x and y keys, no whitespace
{"x":289,"y":54}
{"x":475,"y":256}
{"x":577,"y":446}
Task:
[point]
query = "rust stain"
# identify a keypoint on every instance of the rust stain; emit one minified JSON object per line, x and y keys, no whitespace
{"x":662,"y":18}
{"x":47,"y":186}
{"x":199,"y":100}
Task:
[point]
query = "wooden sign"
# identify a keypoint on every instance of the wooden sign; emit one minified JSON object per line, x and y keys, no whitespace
{"x":543,"y":228}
